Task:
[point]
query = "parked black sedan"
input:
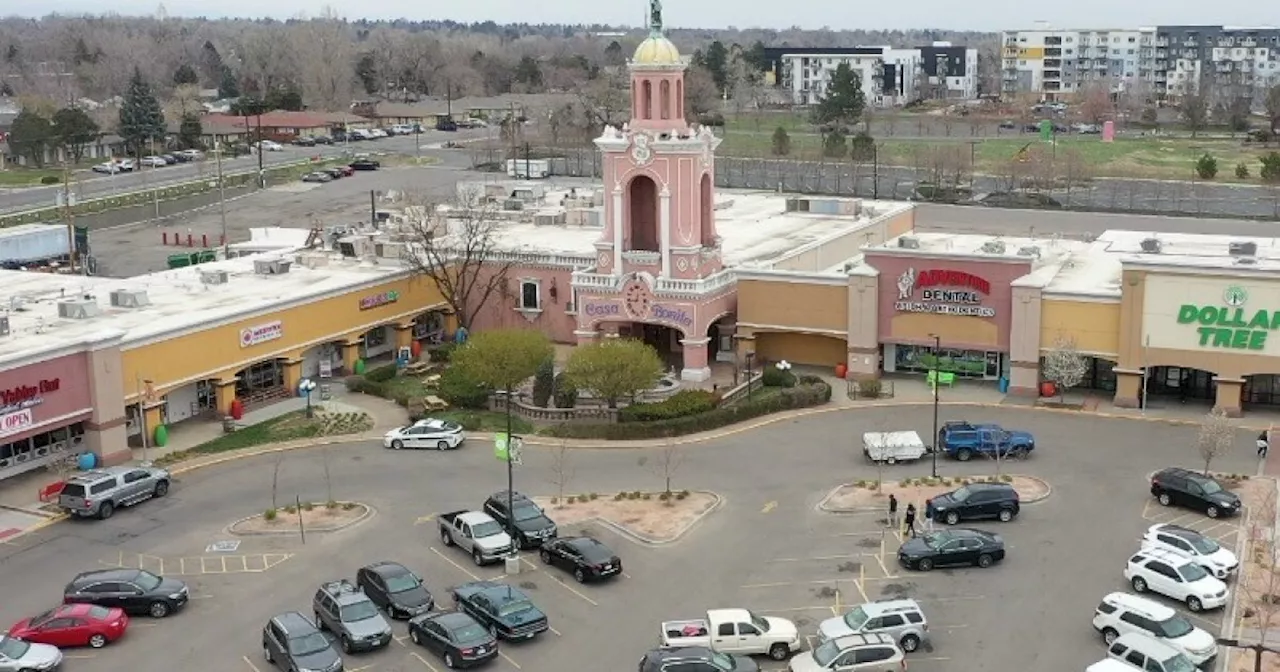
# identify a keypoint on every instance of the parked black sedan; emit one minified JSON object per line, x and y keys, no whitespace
{"x":365,"y":164}
{"x":588,"y":559}
{"x":950,"y":548}
{"x":136,"y":591}
{"x":395,"y":589}
{"x":505,"y":610}
{"x":455,"y":637}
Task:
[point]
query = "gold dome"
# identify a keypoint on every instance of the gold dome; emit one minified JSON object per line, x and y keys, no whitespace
{"x":656,"y":50}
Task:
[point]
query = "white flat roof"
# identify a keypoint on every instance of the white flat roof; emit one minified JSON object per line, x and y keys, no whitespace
{"x":179,"y":300}
{"x":754,"y":226}
{"x":1042,"y":251}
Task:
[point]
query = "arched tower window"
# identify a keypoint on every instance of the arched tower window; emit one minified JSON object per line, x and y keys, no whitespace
{"x":635,"y":100}
{"x":706,"y":211}
{"x":642,"y":226}
{"x":664,"y":98}
{"x":646,"y":100}
{"x":679,"y":99}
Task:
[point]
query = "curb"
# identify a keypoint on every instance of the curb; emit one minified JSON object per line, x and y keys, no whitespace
{"x":272,"y":449}
{"x":56,"y":518}
{"x":651,"y":541}
{"x":368,"y":513}
{"x":30,"y":511}
{"x":822,"y":505}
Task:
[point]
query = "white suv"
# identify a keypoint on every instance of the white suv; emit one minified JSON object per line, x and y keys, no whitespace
{"x":1175,"y":576}
{"x":901,"y":620}
{"x":851,"y":653}
{"x":1194,"y":546}
{"x":1121,"y":614}
{"x":1149,"y":654}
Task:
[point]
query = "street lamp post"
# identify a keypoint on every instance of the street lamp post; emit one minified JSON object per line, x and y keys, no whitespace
{"x":1257,"y":649}
{"x":305,"y":387}
{"x":937,"y":346}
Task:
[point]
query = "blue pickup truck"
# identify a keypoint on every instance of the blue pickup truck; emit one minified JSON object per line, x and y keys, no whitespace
{"x":962,"y":440}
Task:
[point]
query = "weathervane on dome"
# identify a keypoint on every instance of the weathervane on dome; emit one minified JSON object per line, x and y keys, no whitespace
{"x":655,"y":18}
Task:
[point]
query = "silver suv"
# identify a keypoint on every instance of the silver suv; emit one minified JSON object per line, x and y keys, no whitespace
{"x":344,"y":610}
{"x":902,"y":620}
{"x":101,"y":491}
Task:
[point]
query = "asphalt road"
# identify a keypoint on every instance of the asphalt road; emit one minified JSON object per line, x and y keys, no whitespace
{"x":767,"y":548}
{"x":88,"y":185}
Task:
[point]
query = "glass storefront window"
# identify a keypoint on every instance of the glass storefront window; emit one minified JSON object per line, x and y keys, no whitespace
{"x":376,"y":337}
{"x":261,"y":376}
{"x":23,"y":448}
{"x":963,"y":363}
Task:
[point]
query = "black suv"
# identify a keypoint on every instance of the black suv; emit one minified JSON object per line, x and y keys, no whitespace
{"x":291,"y":642}
{"x":395,"y":589}
{"x":975,"y":501}
{"x":695,"y":659}
{"x":1181,"y":487}
{"x":136,"y":591}
{"x":533,"y":527}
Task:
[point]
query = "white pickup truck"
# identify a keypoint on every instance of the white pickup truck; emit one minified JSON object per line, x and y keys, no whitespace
{"x":736,"y":631}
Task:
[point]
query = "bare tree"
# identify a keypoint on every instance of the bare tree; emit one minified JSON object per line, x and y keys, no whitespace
{"x":275,"y":479}
{"x":63,"y":465}
{"x":1095,"y":104}
{"x":605,"y":101}
{"x":458,"y":248}
{"x":670,"y":459}
{"x":1258,"y":583}
{"x":1064,"y":366}
{"x":328,"y":477}
{"x":1217,"y":433}
{"x":326,"y":55}
{"x":1194,"y":109}
{"x":562,"y":471}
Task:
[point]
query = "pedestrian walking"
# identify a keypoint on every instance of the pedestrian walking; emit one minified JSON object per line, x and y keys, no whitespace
{"x":1263,"y":444}
{"x":909,"y":520}
{"x":928,"y":519}
{"x":893,"y":512}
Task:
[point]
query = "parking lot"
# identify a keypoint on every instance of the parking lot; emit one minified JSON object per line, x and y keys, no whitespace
{"x":767,"y":549}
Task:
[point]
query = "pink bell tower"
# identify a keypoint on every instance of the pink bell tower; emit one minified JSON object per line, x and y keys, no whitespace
{"x":658,"y":261}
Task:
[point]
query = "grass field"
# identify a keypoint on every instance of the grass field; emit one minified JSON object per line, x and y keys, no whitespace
{"x":1126,"y":157}
{"x":26,"y":177}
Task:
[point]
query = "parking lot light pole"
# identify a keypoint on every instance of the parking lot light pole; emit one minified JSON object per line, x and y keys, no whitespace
{"x":1257,"y":649}
{"x":937,"y":346}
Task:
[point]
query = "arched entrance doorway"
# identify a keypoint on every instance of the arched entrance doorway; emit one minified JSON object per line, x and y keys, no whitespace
{"x":261,"y":382}
{"x":323,"y":360}
{"x":664,"y":339}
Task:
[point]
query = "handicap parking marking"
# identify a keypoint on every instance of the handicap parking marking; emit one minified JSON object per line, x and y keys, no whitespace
{"x":424,"y":661}
{"x":451,"y":561}
{"x":255,"y":563}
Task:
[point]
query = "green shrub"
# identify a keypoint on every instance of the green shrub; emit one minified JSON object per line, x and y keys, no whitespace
{"x":635,"y":494}
{"x":904,"y":483}
{"x":544,"y":382}
{"x":555,"y":500}
{"x":1242,"y":171}
{"x":681,"y":404}
{"x":563,"y":392}
{"x":50,"y":179}
{"x":664,"y":496}
{"x":331,"y":505}
{"x":441,"y":353}
{"x":775,"y":377}
{"x":860,"y":483}
{"x":381,"y":374}
{"x":269,"y":515}
{"x":870,"y":388}
{"x":291,"y":509}
{"x":620,"y":496}
{"x":1006,"y":478}
{"x":646,"y":496}
{"x":1207,"y":167}
{"x":593,"y":496}
{"x":811,"y":391}
{"x":682,"y":495}
{"x":461,"y":391}
{"x":307,"y":506}
{"x":363,"y":385}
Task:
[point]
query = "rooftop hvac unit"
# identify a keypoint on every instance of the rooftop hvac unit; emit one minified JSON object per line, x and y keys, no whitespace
{"x":993,"y":247}
{"x":126,"y":298}
{"x":313,"y":261}
{"x":348,"y":249}
{"x":78,"y":309}
{"x":271,"y":266}
{"x":4,"y":326}
{"x":909,"y":243}
{"x":1151,"y":245}
{"x":549,"y":219}
{"x":1029,"y":251}
{"x":1242,"y":249}
{"x":389,"y":250}
{"x":213,"y":277}
{"x":513,"y":204}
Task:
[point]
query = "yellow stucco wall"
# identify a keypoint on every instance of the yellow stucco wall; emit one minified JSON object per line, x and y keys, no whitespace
{"x":801,"y":348}
{"x":1031,"y":53}
{"x":1094,"y":326}
{"x":216,"y":351}
{"x":795,"y":305}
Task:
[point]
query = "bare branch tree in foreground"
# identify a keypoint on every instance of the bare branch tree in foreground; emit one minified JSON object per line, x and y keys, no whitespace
{"x":1258,"y":584}
{"x":1217,"y":433}
{"x":458,"y":249}
{"x":561,"y":471}
{"x":669,"y":460}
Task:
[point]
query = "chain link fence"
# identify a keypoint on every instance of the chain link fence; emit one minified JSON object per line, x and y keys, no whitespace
{"x":866,"y":180}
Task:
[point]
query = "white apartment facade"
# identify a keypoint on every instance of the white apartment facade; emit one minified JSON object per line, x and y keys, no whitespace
{"x":890,"y":76}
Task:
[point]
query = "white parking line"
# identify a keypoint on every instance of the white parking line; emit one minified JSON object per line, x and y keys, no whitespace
{"x":508,"y":659}
{"x":424,"y":661}
{"x":554,"y":631}
{"x":573,"y":590}
{"x":449,"y":560}
{"x":247,"y":662}
{"x":818,"y":558}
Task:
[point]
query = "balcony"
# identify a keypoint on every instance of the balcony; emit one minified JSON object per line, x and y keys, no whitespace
{"x":1052,"y":40}
{"x":1052,"y":74}
{"x":1053,"y":63}
{"x":1051,"y":51}
{"x":603,"y":284}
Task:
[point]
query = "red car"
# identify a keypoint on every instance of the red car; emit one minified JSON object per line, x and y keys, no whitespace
{"x":347,"y":171}
{"x":73,"y":625}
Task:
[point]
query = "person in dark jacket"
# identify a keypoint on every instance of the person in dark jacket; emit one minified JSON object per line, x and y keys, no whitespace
{"x":893,"y":512}
{"x":910,"y":519}
{"x":1264,"y":444}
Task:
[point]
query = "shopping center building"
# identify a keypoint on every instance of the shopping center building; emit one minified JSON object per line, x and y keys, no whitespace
{"x":80,"y":355}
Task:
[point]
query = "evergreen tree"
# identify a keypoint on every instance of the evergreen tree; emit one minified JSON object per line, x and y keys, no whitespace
{"x":835,"y":145}
{"x":141,"y":119}
{"x":73,"y":129}
{"x":844,"y":101}
{"x":228,"y":87}
{"x":185,"y":75}
{"x":30,"y":135}
{"x":781,"y":142}
{"x":191,"y":132}
{"x":716,"y":61}
{"x":6,"y":89}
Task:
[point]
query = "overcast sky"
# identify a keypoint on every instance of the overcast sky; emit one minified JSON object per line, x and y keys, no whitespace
{"x":988,"y":15}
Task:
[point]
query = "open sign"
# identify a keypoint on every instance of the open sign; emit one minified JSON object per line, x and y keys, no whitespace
{"x":15,"y":422}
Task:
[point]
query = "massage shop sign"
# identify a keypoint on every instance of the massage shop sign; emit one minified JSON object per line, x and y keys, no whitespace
{"x":943,"y":292}
{"x":1232,"y":324}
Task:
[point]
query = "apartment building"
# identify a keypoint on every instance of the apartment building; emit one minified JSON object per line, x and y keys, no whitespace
{"x":890,"y":76}
{"x":1170,"y":61}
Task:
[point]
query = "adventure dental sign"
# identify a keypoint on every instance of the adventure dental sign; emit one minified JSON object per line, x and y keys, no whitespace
{"x":963,"y":294}
{"x":1232,"y":325}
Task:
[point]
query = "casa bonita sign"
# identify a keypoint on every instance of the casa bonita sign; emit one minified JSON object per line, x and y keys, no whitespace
{"x":1231,"y":326}
{"x":965,"y":301}
{"x":658,"y":313}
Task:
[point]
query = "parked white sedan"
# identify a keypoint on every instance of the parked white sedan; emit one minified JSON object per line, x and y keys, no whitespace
{"x":153,"y":161}
{"x":426,"y":433}
{"x":271,"y":146}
